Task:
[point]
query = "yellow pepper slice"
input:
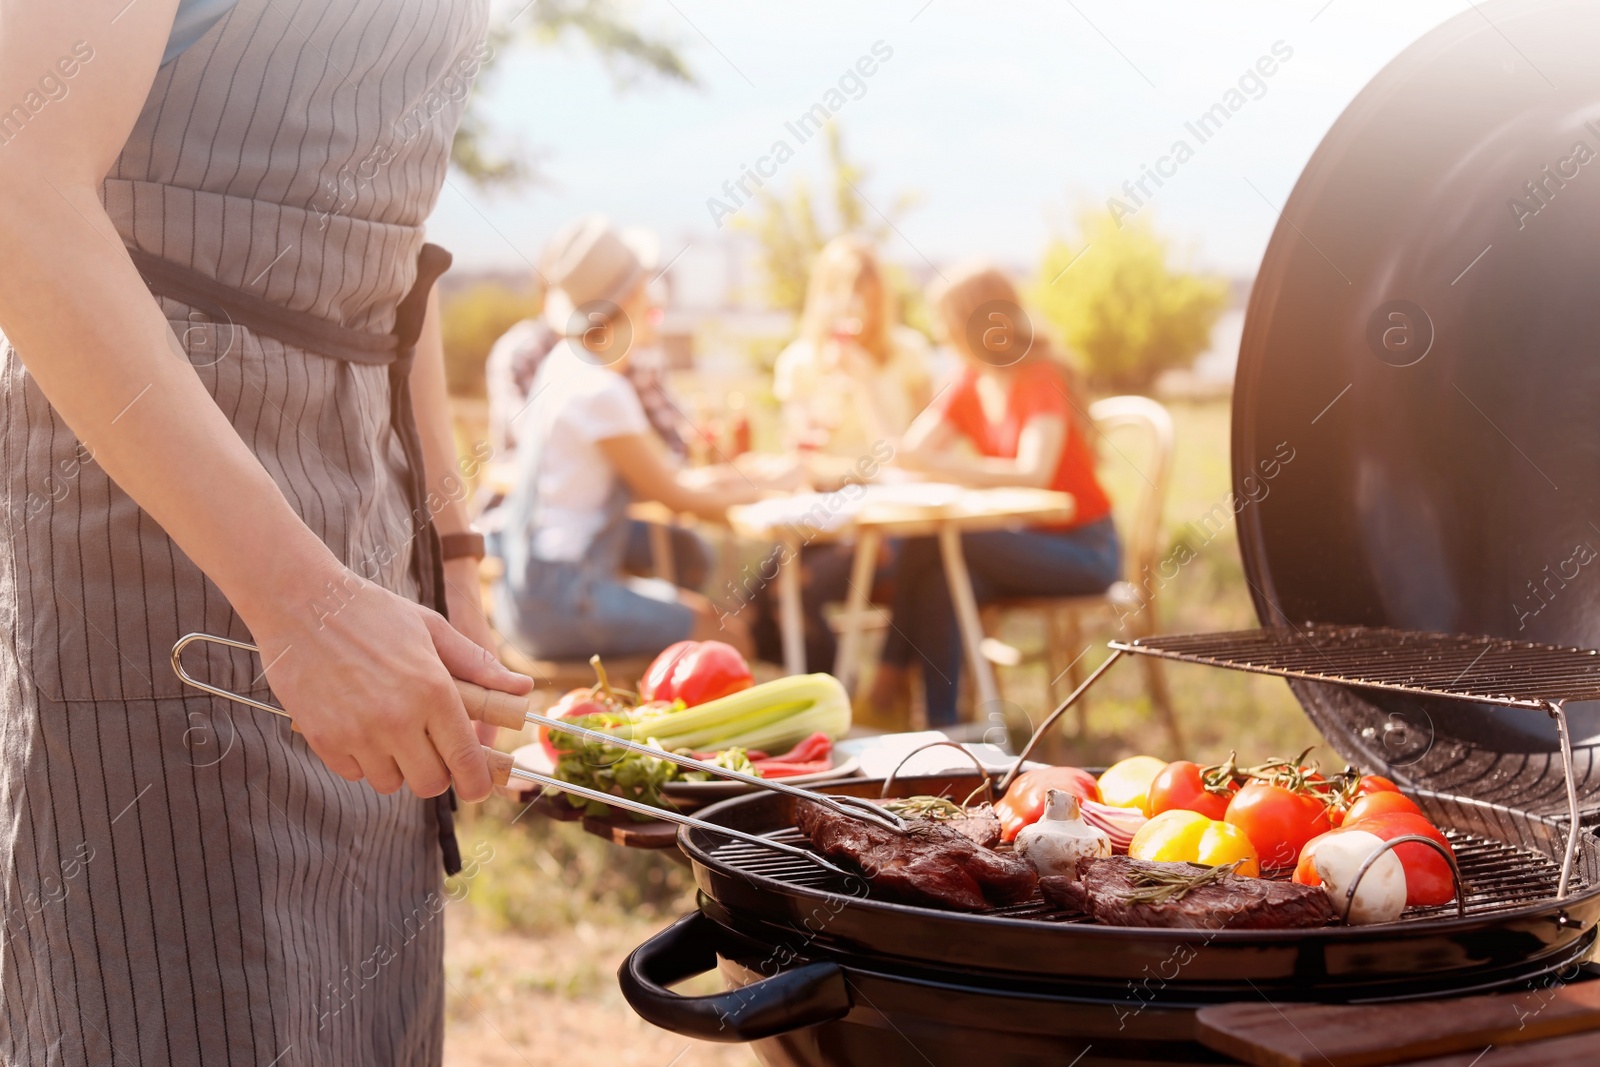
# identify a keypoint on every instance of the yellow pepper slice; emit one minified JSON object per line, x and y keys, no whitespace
{"x":1177,"y":836}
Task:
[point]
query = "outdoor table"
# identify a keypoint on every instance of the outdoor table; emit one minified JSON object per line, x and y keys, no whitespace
{"x":921,"y":509}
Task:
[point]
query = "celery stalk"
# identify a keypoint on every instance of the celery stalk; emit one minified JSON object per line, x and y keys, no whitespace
{"x":771,"y":716}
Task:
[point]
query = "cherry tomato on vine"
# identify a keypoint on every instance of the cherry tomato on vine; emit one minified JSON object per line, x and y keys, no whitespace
{"x":1365,"y":786}
{"x":1181,"y":787}
{"x":1278,"y":821}
{"x":1375,"y":783}
{"x":1380,"y":804}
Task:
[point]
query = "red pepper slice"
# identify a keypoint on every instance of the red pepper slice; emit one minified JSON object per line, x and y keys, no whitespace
{"x":780,"y":769}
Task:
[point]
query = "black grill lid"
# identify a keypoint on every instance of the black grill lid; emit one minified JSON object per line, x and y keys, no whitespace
{"x":1416,"y":437}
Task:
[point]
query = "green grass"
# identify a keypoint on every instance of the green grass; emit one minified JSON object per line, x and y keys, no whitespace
{"x":538,"y":876}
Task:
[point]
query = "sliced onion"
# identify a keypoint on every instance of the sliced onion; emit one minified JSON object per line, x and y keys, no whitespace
{"x":1120,"y":824}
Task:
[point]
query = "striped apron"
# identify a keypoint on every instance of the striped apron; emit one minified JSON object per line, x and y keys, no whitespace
{"x":184,"y":882}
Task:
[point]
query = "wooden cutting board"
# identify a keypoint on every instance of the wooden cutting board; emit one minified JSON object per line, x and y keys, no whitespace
{"x":1376,"y":1035}
{"x":1576,"y":1050}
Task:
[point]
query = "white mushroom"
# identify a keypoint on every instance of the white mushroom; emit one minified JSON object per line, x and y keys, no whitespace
{"x":1381,"y":895}
{"x":1060,"y":839}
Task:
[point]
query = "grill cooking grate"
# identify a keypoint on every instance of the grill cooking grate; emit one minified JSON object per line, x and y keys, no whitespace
{"x":1517,"y":674}
{"x":1492,"y":670}
{"x":1498,"y":876}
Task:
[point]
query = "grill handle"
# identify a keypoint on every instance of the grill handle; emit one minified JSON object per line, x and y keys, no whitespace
{"x":788,"y":1000}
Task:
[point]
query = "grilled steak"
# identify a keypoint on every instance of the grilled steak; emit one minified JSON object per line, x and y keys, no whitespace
{"x":930,"y":863}
{"x":980,"y":825}
{"x":1232,"y":902}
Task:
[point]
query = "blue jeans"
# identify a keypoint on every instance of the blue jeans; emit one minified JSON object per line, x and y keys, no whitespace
{"x":1003,"y":563}
{"x":691,"y":555}
{"x":572,"y":609}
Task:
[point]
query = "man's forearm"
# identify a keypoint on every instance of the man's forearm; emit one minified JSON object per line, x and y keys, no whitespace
{"x":97,"y":344}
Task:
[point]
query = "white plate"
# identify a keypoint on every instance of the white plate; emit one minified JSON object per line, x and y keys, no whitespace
{"x":718,"y":788}
{"x":881,"y":753}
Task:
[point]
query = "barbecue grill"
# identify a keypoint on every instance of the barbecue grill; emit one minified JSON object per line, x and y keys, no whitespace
{"x":1527,"y":909}
{"x":1421,"y":348}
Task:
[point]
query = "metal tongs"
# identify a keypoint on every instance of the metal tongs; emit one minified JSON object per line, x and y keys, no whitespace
{"x":512,"y":713}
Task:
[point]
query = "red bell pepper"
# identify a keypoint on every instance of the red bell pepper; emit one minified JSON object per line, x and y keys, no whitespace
{"x":695,"y":672}
{"x":1023,"y":804}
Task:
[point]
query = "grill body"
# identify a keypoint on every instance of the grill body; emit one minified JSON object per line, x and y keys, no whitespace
{"x":820,"y":972}
{"x":1513,"y":928}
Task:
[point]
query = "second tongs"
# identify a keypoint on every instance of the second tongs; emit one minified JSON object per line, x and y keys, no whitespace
{"x":512,"y":712}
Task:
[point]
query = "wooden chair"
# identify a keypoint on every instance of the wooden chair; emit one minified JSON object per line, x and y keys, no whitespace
{"x":1127,"y":602}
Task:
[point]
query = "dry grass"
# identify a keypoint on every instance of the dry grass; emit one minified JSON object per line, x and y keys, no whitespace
{"x":534,"y":943}
{"x":517,"y":1000}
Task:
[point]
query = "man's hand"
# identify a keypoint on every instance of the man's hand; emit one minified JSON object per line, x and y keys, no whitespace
{"x":368,"y":680}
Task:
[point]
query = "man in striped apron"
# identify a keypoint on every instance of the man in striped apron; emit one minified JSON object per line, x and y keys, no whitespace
{"x":237,"y":449}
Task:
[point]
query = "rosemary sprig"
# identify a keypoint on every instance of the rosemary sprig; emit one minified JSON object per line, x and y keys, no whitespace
{"x":926,"y":807}
{"x":1163,"y":886}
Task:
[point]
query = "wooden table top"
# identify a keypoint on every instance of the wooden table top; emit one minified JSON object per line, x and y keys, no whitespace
{"x":898,"y":513}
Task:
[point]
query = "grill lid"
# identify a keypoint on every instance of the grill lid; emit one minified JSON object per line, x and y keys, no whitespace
{"x":1415,"y":438}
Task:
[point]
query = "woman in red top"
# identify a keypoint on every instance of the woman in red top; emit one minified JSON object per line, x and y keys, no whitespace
{"x":1012,"y":403}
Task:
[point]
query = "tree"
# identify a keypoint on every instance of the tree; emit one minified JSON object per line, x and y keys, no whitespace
{"x":791,"y":232}
{"x":630,"y":55}
{"x":1118,"y":304}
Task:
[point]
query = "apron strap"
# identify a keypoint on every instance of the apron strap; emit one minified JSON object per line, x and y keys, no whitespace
{"x":223,"y":303}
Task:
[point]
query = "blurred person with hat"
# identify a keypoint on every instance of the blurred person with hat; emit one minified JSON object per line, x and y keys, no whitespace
{"x":585,"y":450}
{"x":514,"y":362}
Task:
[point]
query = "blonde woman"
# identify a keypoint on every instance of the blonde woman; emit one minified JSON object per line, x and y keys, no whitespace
{"x":851,"y":382}
{"x":853,"y":377}
{"x":1014,"y":406}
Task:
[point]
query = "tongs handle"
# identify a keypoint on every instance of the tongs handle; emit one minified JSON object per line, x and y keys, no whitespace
{"x":505,"y":710}
{"x":483,"y":705}
{"x":486,"y":705}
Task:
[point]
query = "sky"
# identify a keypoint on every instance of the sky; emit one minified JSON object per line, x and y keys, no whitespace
{"x":1002,"y":119}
